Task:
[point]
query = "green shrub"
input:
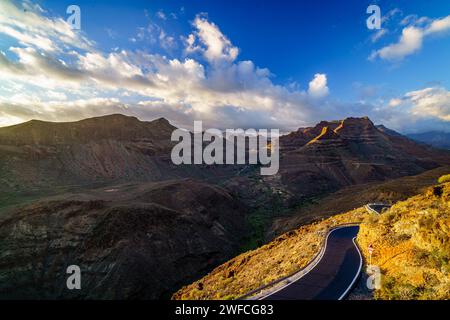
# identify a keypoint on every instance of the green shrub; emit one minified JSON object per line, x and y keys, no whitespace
{"x":445,"y":178}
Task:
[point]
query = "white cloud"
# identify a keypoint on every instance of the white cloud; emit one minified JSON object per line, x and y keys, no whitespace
{"x":167,"y":42}
{"x":155,"y":34}
{"x":440,"y":25}
{"x":395,"y":102}
{"x":190,"y":44}
{"x":216,"y":46}
{"x":412,"y":38}
{"x":208,"y":83}
{"x":32,"y":28}
{"x":219,"y":89}
{"x":410,"y":41}
{"x":414,"y":20}
{"x":420,"y":110}
{"x":58,"y":110}
{"x":378,"y":35}
{"x":160,"y":14}
{"x":318,"y":86}
{"x":430,"y":103}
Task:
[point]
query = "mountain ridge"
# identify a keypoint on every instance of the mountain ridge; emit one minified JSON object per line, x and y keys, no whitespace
{"x":115,"y":174}
{"x":115,"y":126}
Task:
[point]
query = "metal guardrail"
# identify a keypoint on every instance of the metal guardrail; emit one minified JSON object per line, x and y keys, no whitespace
{"x":259,"y":292}
{"x":369,"y":208}
{"x":372,"y":210}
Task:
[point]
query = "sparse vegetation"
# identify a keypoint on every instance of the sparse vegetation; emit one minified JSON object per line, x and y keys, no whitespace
{"x":444,"y":178}
{"x":357,"y":196}
{"x":411,"y":241}
{"x":412,"y":246}
{"x":282,"y":256}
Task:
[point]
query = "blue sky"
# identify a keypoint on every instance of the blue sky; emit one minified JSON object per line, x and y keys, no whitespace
{"x":251,"y":63}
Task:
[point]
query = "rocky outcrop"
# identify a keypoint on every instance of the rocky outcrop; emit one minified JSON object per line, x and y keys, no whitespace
{"x":349,"y":152}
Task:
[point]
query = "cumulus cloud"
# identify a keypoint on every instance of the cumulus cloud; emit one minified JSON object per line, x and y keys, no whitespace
{"x":418,"y":110}
{"x":429,"y":103}
{"x":395,"y":102}
{"x":30,"y":27}
{"x":207,"y":83}
{"x":219,"y":89}
{"x":410,"y":42}
{"x":216,"y":47}
{"x":412,"y":38}
{"x":440,"y":25}
{"x":318,"y":86}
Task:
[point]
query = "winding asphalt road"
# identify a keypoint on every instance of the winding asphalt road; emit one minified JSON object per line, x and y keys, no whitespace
{"x":333,"y":276}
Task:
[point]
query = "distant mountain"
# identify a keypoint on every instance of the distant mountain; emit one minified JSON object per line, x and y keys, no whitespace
{"x":112,"y":127}
{"x":436,"y":139}
{"x":111,"y":149}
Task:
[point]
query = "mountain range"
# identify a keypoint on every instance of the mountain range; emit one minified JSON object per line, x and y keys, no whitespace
{"x":102,"y":193}
{"x":436,"y":139}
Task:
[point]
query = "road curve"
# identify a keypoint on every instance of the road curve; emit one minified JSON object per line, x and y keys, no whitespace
{"x":333,"y":276}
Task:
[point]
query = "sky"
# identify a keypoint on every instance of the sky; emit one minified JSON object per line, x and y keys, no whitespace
{"x":232,"y":64}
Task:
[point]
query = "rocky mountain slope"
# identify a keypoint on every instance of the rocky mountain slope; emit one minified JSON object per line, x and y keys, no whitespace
{"x":336,"y":154}
{"x":133,"y":241}
{"x":39,"y":158}
{"x":41,"y":154}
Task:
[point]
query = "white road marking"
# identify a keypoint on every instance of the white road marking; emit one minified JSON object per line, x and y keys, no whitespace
{"x":357,"y":273}
{"x":316,"y":263}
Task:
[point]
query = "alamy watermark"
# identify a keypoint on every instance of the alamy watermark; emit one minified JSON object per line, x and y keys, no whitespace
{"x":231,"y":148}
{"x":373,"y":22}
{"x":74,"y":20}
{"x":73,"y":282}
{"x":374,"y":279}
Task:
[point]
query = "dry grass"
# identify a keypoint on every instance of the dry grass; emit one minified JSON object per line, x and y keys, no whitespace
{"x":412,"y":246}
{"x":282,"y":256}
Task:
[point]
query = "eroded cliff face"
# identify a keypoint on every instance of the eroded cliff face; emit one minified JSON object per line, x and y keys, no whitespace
{"x":130,"y":242}
{"x":352,"y":151}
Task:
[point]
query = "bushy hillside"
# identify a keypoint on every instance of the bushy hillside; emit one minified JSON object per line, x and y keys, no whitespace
{"x":357,"y":196}
{"x":412,"y":246}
